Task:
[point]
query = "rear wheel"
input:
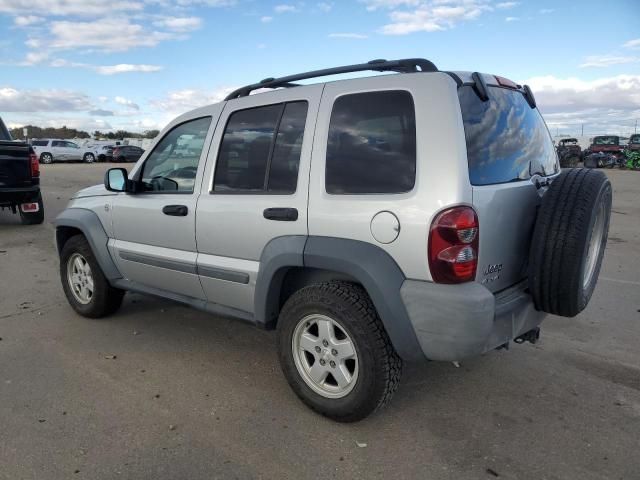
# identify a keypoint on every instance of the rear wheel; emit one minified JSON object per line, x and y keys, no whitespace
{"x":89,"y":158}
{"x":85,"y":286}
{"x":46,"y":158}
{"x":335,"y":352}
{"x":33,"y":218}
{"x":569,"y":240}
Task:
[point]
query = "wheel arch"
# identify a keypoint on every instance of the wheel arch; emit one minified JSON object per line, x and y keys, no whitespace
{"x":290,"y":263}
{"x":74,"y":221}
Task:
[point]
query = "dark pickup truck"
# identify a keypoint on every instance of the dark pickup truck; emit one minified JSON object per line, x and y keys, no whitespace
{"x":20,"y":179}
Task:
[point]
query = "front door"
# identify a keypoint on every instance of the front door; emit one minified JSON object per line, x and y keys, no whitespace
{"x":255,"y":190}
{"x":154,"y":230}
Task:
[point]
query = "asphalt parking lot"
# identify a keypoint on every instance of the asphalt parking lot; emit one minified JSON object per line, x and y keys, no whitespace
{"x":165,"y":392}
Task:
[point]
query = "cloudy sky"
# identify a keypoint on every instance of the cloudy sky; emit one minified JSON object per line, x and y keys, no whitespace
{"x":135,"y":64}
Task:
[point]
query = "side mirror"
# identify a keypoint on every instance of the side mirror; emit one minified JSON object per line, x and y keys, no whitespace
{"x":115,"y":180}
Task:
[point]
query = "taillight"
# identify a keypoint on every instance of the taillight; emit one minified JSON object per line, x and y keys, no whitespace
{"x":35,"y":165}
{"x":453,"y":245}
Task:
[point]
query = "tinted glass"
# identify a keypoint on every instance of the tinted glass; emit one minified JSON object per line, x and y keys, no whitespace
{"x":39,"y":143}
{"x":4,"y":133}
{"x":372,"y":144}
{"x":606,"y":140}
{"x":249,"y":161}
{"x":173,"y":164}
{"x":634,"y":139}
{"x":283,"y":171}
{"x":57,"y":143}
{"x":71,"y":145}
{"x":507,"y":140}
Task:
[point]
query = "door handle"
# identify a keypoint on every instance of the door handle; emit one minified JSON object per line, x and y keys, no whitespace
{"x":281,"y":214}
{"x":175,"y":210}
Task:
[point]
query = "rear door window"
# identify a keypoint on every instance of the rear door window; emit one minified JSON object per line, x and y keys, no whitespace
{"x":507,"y":140}
{"x":39,"y":143}
{"x":371,"y":147}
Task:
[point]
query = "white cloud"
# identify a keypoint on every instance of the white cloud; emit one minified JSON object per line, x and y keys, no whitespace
{"x":430,"y":16}
{"x":607,"y":60}
{"x":511,"y":19}
{"x":27,"y":20}
{"x":179,"y":24}
{"x":604,"y":105}
{"x":99,"y":112}
{"x":373,"y":5}
{"x":545,"y":11}
{"x":285,"y":8}
{"x":180,"y":101}
{"x":126,"y":68}
{"x":14,"y":100}
{"x":127,"y":103}
{"x":632,"y":43}
{"x":266,"y":19}
{"x":107,"y":34}
{"x":358,"y":36}
{"x":34,"y":58}
{"x":69,"y":7}
{"x":505,"y":5}
{"x":325,"y":6}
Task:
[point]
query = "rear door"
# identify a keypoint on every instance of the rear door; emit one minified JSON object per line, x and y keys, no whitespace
{"x":255,"y":189}
{"x":59,"y":150}
{"x":509,"y":152}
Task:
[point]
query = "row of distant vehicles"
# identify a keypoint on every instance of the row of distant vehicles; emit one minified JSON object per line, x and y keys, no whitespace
{"x":55,"y":150}
{"x":604,"y":151}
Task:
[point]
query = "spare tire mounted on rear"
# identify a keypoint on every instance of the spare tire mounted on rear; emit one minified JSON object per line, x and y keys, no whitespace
{"x":568,"y":242}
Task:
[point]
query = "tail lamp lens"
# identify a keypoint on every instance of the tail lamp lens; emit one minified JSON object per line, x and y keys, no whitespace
{"x":35,"y":165}
{"x":453,"y":245}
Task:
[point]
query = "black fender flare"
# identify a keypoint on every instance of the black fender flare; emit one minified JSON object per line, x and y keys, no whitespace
{"x":369,"y":264}
{"x":88,"y":222}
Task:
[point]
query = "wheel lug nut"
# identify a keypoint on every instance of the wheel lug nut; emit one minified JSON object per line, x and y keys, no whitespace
{"x":318,"y":349}
{"x":322,"y":362}
{"x":334,"y":352}
{"x":333,"y":364}
{"x":325,"y":343}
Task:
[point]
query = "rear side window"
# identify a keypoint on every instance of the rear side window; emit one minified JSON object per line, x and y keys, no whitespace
{"x":372,"y":144}
{"x":507,"y":140}
{"x":260,"y":150}
{"x":39,"y":143}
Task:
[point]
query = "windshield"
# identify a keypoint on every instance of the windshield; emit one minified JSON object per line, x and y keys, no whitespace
{"x":605,"y":141}
{"x":507,"y":140}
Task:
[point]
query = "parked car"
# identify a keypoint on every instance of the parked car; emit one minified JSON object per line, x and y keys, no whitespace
{"x":51,"y":150}
{"x":569,"y":152}
{"x":606,"y":144}
{"x":102,"y":153}
{"x":634,"y":143}
{"x":371,"y":221}
{"x":20,"y":179}
{"x":126,"y":153}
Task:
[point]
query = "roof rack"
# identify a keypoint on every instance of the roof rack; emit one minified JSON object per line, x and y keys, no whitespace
{"x":407,"y":65}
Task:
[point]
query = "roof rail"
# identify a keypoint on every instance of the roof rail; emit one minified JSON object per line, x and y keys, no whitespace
{"x":407,"y":65}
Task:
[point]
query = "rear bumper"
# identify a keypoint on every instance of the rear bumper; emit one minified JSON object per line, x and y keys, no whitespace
{"x":453,"y":322}
{"x":11,"y":196}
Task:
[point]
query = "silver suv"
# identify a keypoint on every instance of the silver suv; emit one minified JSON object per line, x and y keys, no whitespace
{"x":49,"y":151}
{"x":371,"y":221}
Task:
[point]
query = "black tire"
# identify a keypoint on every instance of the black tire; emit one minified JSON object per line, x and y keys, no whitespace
{"x":89,"y":158}
{"x":33,"y":218}
{"x":106,"y":299}
{"x":562,"y":276}
{"x":379,"y":366}
{"x":46,"y":158}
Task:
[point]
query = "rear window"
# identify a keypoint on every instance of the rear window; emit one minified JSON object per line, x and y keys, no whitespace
{"x":4,"y":133}
{"x":507,"y":140}
{"x":606,"y":140}
{"x":634,"y":139}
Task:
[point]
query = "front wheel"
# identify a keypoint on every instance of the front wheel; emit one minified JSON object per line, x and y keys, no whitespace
{"x":85,"y":286}
{"x":335,"y":353}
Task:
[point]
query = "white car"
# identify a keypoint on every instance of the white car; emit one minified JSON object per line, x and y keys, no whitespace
{"x":49,"y":151}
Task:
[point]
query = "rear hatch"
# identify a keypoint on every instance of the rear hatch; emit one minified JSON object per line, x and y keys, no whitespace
{"x":510,"y":154}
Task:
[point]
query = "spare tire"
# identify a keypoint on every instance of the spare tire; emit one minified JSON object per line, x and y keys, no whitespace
{"x":569,"y":240}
